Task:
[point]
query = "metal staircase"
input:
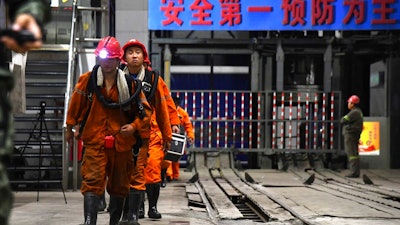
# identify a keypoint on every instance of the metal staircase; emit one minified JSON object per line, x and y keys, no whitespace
{"x":37,"y":158}
{"x":41,"y":158}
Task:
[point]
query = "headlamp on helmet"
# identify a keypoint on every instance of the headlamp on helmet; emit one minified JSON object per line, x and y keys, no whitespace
{"x":103,"y":54}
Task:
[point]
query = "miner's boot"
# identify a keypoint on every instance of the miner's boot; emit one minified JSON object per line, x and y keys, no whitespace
{"x":163,"y":178}
{"x":125,"y":212}
{"x":134,"y":205}
{"x":141,"y":207}
{"x":102,"y":203}
{"x":90,"y":205}
{"x":131,"y":208}
{"x":153,"y":192}
{"x":116,"y":205}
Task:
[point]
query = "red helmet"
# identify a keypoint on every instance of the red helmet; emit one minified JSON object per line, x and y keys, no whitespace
{"x":147,"y":61}
{"x":135,"y":42}
{"x":108,"y":48}
{"x":354,"y":99}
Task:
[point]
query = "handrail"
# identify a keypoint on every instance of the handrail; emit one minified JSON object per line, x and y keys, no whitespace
{"x":70,"y":79}
{"x":71,"y":63}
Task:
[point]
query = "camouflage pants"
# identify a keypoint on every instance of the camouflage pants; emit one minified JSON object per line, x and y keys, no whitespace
{"x":6,"y":143}
{"x":6,"y":196}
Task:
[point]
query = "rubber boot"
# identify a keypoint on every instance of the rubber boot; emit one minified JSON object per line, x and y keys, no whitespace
{"x":163,"y":178}
{"x":131,"y":208}
{"x":102,"y":203}
{"x":125,"y":211}
{"x":90,"y":205}
{"x":153,"y":192}
{"x":141,"y":207}
{"x":116,"y":205}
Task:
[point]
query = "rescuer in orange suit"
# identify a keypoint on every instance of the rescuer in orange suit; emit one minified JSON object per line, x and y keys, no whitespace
{"x":186,"y":127}
{"x":111,"y":120}
{"x":164,"y":121}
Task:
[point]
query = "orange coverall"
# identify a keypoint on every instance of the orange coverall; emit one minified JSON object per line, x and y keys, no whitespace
{"x":162,"y":122}
{"x":99,"y":164}
{"x":173,"y":169}
{"x":160,"y":133}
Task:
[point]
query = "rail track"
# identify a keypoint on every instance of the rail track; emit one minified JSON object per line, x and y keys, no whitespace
{"x":279,"y":197}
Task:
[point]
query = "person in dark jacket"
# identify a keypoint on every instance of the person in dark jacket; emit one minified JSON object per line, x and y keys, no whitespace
{"x":352,"y":128}
{"x":25,"y":15}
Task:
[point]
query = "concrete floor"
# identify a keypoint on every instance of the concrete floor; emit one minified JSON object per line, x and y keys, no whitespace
{"x":52,"y":209}
{"x":315,"y":202}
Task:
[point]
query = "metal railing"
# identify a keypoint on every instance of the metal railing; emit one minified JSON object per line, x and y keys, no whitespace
{"x":269,"y":122}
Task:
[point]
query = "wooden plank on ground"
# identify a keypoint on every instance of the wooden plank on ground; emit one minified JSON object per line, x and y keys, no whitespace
{"x":191,"y":188}
{"x":225,"y":208}
{"x":194,"y":197}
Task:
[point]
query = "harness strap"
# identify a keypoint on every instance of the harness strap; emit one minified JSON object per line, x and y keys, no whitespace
{"x":93,"y":88}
